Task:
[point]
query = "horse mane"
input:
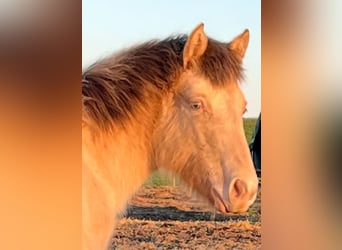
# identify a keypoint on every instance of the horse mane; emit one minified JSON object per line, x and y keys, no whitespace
{"x":113,"y":87}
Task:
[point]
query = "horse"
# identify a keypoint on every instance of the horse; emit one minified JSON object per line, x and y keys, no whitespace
{"x":173,"y":103}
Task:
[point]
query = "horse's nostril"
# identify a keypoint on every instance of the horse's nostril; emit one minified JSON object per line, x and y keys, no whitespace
{"x":238,"y":189}
{"x":242,"y":194}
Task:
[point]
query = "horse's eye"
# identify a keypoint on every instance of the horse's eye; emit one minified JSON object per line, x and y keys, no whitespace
{"x":196,"y":105}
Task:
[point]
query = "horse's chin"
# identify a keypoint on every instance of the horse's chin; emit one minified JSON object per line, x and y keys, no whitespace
{"x":225,"y":207}
{"x":219,"y":203}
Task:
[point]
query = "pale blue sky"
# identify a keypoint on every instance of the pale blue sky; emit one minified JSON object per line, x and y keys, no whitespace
{"x":108,"y":26}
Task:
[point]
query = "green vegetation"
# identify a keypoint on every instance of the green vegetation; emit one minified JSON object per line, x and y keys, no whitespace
{"x":249,"y":126}
{"x":162,"y":179}
{"x":159,"y":179}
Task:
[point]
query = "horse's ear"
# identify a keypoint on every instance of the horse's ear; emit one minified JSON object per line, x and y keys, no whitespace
{"x":195,"y":45}
{"x":240,"y":43}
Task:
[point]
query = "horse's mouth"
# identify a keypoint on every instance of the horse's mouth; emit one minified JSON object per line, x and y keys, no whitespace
{"x":219,"y":202}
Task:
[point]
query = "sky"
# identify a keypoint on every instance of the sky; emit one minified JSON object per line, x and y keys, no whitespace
{"x":108,"y":26}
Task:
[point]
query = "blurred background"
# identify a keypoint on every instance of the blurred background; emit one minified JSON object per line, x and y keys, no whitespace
{"x":40,"y":109}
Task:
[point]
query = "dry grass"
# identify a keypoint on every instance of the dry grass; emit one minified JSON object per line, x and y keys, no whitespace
{"x":168,"y":218}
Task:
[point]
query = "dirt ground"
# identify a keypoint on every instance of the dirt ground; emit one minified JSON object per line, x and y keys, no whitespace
{"x":171,"y":218}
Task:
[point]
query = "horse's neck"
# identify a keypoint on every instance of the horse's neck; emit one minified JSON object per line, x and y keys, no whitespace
{"x":120,"y":164}
{"x":113,"y":169}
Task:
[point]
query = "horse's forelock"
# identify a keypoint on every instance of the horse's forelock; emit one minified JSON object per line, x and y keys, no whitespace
{"x":220,"y":64}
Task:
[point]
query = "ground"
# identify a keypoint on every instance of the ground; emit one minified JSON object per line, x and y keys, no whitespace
{"x":169,"y":217}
